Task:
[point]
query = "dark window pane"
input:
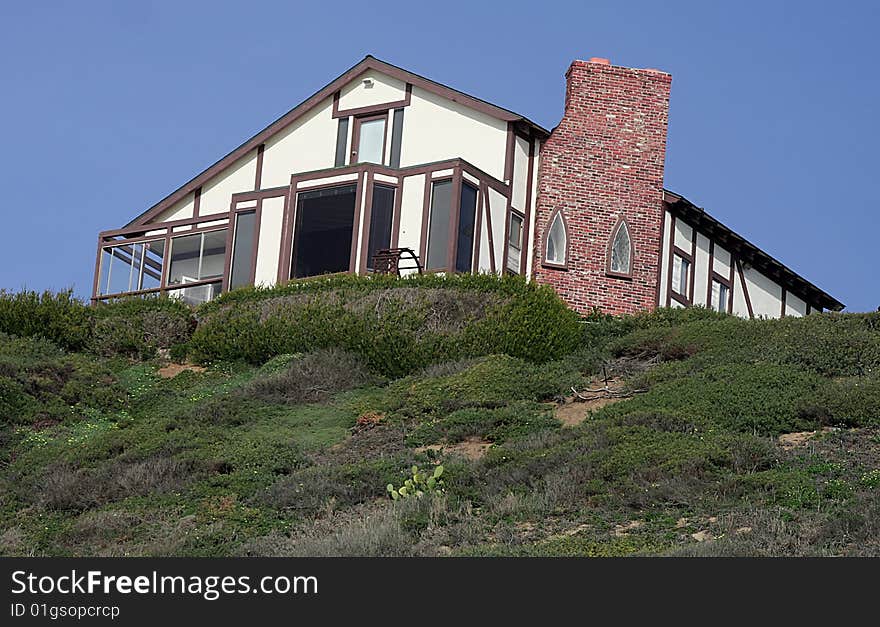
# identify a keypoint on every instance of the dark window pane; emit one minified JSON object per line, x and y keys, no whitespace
{"x":467,"y":215}
{"x":324,"y":228}
{"x":396,"y":138}
{"x":380,"y":221}
{"x":243,"y":250}
{"x":438,"y":230}
{"x":341,"y":140}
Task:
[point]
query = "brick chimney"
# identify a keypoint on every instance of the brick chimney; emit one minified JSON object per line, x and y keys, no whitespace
{"x":601,"y":164}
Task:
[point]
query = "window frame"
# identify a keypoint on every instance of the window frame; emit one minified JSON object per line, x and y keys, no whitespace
{"x":508,"y":245}
{"x":295,"y":217}
{"x":621,"y":223}
{"x":353,"y":155}
{"x":683,"y":298}
{"x":548,"y":263}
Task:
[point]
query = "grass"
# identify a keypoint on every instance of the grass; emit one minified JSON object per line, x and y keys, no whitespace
{"x":100,"y":455}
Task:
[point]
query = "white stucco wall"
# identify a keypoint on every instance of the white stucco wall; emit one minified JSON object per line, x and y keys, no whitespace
{"x":436,"y":129}
{"x":701,"y":271}
{"x":721,"y":263}
{"x":683,"y":235}
{"x":794,"y":306}
{"x":411,"y":212}
{"x":307,"y":144}
{"x":384,"y":89}
{"x":766,"y":295}
{"x":181,"y":210}
{"x":664,"y":264}
{"x":498,"y":207}
{"x":269,"y":247}
{"x":239,"y":177}
{"x":520,"y":173}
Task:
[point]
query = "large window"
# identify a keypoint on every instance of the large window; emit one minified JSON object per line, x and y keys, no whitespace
{"x":440,"y":228}
{"x":323,"y":231}
{"x":131,"y":267}
{"x":514,"y":242}
{"x":243,"y":248}
{"x":369,"y":139}
{"x":381,"y":221}
{"x":557,"y":241}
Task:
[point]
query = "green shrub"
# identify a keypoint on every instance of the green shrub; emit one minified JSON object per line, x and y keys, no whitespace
{"x":59,"y":317}
{"x":494,"y":424}
{"x":850,"y":402}
{"x":311,"y":378}
{"x":138,"y":327}
{"x":396,"y":325}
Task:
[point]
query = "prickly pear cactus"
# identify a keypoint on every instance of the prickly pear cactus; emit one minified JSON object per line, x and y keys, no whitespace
{"x":418,"y":484}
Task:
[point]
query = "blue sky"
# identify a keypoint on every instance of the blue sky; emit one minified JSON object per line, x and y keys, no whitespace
{"x":107,"y":107}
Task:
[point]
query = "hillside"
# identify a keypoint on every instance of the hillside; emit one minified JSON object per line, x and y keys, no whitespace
{"x":271,"y":422}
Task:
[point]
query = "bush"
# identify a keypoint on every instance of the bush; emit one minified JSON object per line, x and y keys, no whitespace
{"x":396,"y":325}
{"x":312,"y":378}
{"x":138,"y":327}
{"x":59,"y":317}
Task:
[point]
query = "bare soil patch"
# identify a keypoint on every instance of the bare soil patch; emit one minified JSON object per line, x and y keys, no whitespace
{"x":172,"y":370}
{"x":472,"y":448}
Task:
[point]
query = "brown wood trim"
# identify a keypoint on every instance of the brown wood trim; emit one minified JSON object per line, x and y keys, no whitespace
{"x":284,"y":258}
{"x":493,"y":267}
{"x":682,"y":253}
{"x":621,"y":220}
{"x":258,"y":178}
{"x":197,"y":201}
{"x":509,"y":154}
{"x":723,"y":280}
{"x":782,"y":314}
{"x":680,"y":299}
{"x":742,"y":279}
{"x":271,"y":192}
{"x":356,"y":137}
{"x":547,"y":227}
{"x":369,"y":109}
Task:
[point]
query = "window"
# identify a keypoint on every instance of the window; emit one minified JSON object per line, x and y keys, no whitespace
{"x":381,"y":220}
{"x":680,"y":275}
{"x":131,"y":267}
{"x":514,"y":242}
{"x":396,"y":138}
{"x":556,"y":241}
{"x":341,"y":142}
{"x":323,"y":231}
{"x":197,"y":257}
{"x":194,"y":258}
{"x":369,"y":139}
{"x":438,"y":227}
{"x":467,"y":217}
{"x":243,"y":247}
{"x":720,"y":296}
{"x":620,"y":252}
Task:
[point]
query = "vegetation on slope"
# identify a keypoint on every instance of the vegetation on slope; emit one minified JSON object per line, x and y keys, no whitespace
{"x":738,"y":437}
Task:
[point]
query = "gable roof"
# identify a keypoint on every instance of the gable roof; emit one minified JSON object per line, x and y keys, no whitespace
{"x":368,"y":63}
{"x":745,"y":250}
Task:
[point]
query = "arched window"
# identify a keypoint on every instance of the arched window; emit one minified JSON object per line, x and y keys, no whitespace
{"x":557,"y":241}
{"x":620,"y":250}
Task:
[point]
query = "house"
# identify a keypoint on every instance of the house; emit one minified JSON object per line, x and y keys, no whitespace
{"x":382,"y":158}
